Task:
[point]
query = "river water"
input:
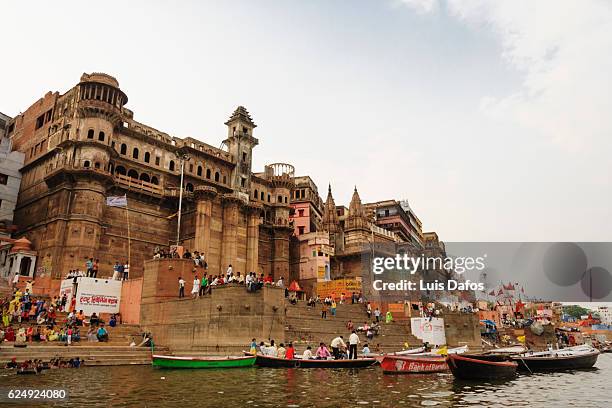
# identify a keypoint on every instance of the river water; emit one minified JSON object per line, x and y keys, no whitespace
{"x":143,"y":386}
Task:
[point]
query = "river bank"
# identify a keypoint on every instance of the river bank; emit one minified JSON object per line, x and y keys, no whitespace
{"x":260,"y":387}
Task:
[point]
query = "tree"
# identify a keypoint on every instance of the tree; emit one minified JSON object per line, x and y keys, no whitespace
{"x":575,"y":311}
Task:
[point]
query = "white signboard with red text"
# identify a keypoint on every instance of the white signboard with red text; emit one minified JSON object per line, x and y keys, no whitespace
{"x":66,"y":288}
{"x":98,"y":295}
{"x":429,"y":330}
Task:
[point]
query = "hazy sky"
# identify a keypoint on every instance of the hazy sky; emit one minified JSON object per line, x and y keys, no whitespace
{"x":493,"y":118}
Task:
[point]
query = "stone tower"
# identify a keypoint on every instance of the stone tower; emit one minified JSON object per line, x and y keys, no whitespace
{"x":240,"y":142}
{"x":357,"y":227}
{"x":331,"y":223}
{"x":80,"y":170}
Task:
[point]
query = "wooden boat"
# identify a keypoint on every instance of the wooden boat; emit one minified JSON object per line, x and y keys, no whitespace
{"x":518,"y":349}
{"x":275,"y":362}
{"x":481,"y":367}
{"x":420,"y":352}
{"x":392,"y":364}
{"x":27,"y":371}
{"x":557,"y":360}
{"x":202,"y":362}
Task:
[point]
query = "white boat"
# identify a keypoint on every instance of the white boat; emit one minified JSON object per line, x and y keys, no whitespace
{"x":565,"y":352}
{"x":518,"y":349}
{"x":439,"y":351}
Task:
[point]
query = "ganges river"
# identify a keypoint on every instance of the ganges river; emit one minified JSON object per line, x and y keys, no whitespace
{"x":143,"y":386}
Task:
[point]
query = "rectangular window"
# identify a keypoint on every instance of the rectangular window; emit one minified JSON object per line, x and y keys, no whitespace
{"x":3,"y":179}
{"x":157,"y":161}
{"x":40,"y":121}
{"x":301,"y":230}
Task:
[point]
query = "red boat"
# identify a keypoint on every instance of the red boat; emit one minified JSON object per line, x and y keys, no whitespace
{"x":413,"y":365}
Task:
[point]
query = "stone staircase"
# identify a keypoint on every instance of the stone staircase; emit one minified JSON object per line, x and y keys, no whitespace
{"x":94,"y":354}
{"x":304,"y":326}
{"x":116,"y":351}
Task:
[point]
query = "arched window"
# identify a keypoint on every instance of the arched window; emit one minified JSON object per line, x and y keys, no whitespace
{"x":86,"y":164}
{"x":224,"y":180}
{"x":90,"y":134}
{"x":269,"y":197}
{"x":101,"y":136}
{"x":120,"y":170}
{"x":217,"y":176}
{"x":280,"y":199}
{"x":147,"y":157}
{"x":154,"y":180}
{"x":200,"y":171}
{"x":133,"y":174}
{"x":262,"y":196}
{"x":97,"y":165}
{"x":285,"y":199}
{"x":255,"y":195}
{"x":208,"y":174}
{"x":145,"y":177}
{"x":171,"y":167}
{"x":123,"y":148}
{"x":189,"y":187}
{"x":135,"y":153}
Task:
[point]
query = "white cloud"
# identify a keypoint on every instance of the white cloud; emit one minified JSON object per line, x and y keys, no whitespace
{"x":562,"y":48}
{"x":421,"y":6}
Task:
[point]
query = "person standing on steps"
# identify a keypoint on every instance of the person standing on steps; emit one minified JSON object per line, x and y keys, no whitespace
{"x":196,"y":287}
{"x":377,"y":315}
{"x":353,"y":342}
{"x":181,"y":283}
{"x":324,"y":311}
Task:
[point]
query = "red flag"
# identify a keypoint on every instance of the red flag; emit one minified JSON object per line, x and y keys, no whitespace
{"x":492,"y":293}
{"x":519,"y":306}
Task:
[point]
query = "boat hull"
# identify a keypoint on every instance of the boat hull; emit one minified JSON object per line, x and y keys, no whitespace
{"x":413,"y":365}
{"x":481,"y":367}
{"x":203,"y":362}
{"x":575,"y":362}
{"x":274,"y":362}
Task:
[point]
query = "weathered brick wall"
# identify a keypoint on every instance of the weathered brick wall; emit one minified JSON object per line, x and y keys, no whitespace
{"x":225,"y":320}
{"x":461,"y":329}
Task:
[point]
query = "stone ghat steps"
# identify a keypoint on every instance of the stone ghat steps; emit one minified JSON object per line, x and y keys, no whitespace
{"x":304,"y":326}
{"x":92,"y":355}
{"x":119,"y":335}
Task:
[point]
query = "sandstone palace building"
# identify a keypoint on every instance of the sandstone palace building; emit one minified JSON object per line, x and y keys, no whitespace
{"x":85,"y":145}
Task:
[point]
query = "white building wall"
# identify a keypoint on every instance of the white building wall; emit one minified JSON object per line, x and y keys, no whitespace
{"x":605,"y":313}
{"x":10,"y":163}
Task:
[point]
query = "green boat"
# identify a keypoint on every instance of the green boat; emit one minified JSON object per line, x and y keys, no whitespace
{"x":202,"y":362}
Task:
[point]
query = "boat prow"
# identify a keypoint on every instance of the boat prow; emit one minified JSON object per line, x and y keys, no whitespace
{"x":481,"y":367}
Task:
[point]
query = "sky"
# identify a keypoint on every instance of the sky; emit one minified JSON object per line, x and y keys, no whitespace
{"x":493,"y":118}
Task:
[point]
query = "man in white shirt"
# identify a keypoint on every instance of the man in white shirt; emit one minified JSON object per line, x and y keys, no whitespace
{"x":337,"y":344}
{"x":229,"y":272}
{"x":307,"y":355}
{"x":353,"y":342}
{"x":181,"y":282}
{"x":280,"y":283}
